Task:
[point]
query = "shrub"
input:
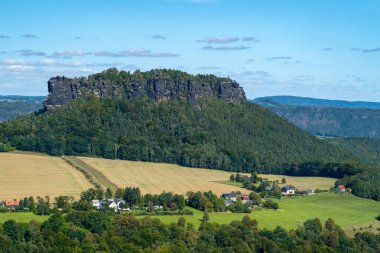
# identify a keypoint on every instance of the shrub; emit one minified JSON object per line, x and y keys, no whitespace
{"x":270,"y":204}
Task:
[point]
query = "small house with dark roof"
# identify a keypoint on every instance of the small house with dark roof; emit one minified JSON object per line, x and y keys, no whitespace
{"x":231,"y":196}
{"x":288,"y":190}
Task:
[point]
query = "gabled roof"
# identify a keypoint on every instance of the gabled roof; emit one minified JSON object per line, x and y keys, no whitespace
{"x":341,"y":187}
{"x":288,"y":187}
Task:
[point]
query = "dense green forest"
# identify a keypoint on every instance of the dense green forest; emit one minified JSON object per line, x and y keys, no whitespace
{"x":219,"y":135}
{"x":330,"y":121}
{"x":98,"y":231}
{"x":336,"y":122}
{"x":367,"y":149}
{"x":12,"y":109}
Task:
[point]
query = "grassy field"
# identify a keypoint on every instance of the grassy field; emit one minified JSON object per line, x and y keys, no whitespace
{"x":346,"y":210}
{"x":23,"y":175}
{"x":21,"y":217}
{"x":159,"y":177}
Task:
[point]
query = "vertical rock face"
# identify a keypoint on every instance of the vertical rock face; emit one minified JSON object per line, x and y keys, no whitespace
{"x":158,"y":85}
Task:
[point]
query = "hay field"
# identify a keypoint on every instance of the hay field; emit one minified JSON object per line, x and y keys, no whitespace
{"x":24,"y":175}
{"x":304,"y":183}
{"x":159,"y":177}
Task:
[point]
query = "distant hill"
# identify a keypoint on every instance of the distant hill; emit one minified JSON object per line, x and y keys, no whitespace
{"x":327,"y":117}
{"x":14,"y":106}
{"x":313,"y":102}
{"x":14,"y":98}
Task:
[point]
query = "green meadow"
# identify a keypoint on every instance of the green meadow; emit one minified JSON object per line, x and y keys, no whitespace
{"x":25,"y":217}
{"x":346,"y":209}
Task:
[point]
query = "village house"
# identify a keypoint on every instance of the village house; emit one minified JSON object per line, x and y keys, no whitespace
{"x":244,"y":198}
{"x":340,"y":188}
{"x":114,"y":204}
{"x":10,"y":203}
{"x":288,"y":190}
{"x":230,"y":196}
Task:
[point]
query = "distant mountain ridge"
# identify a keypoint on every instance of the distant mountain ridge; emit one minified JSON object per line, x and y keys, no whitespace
{"x":314,"y":102}
{"x":332,"y":118}
{"x":13,"y":98}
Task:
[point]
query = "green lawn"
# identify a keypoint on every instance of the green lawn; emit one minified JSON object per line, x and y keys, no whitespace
{"x":346,"y":210}
{"x":22,"y":217}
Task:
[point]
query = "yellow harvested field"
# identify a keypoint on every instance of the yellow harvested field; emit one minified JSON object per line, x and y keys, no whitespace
{"x":23,"y":175}
{"x":304,"y":183}
{"x":159,"y":177}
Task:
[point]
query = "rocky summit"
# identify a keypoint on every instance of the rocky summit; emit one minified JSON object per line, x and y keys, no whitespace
{"x":159,"y":85}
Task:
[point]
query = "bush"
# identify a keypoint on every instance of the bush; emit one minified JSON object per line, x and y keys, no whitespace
{"x":239,"y":207}
{"x":270,"y":204}
{"x":4,"y":147}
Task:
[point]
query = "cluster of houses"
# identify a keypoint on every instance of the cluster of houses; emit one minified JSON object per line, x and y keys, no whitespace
{"x":230,"y":198}
{"x":116,"y":204}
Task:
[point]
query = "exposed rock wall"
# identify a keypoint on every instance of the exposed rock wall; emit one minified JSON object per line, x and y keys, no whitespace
{"x":63,"y":90}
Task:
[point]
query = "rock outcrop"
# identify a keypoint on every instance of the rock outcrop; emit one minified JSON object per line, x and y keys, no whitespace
{"x":158,"y":85}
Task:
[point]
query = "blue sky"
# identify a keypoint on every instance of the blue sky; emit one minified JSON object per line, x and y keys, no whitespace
{"x":326,"y":48}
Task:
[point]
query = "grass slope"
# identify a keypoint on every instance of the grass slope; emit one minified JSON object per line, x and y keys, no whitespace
{"x":23,"y":175}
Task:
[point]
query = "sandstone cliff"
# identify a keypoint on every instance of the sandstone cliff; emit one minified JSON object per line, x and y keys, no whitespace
{"x":155,"y":84}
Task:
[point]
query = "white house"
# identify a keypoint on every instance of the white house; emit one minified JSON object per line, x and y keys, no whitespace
{"x":288,"y":190}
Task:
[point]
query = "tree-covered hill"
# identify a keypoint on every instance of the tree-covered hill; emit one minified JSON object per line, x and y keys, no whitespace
{"x":14,"y":106}
{"x":366,"y":149}
{"x":216,"y":135}
{"x":331,"y":121}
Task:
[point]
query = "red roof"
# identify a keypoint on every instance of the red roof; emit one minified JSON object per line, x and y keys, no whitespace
{"x":11,"y":202}
{"x":341,"y":187}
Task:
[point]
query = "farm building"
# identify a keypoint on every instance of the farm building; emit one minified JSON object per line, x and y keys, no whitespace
{"x":10,"y":203}
{"x":109,"y":203}
{"x":340,"y":188}
{"x":231,"y":196}
{"x":288,"y":190}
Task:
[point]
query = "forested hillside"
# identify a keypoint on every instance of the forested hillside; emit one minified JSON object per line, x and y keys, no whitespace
{"x":330,"y":121}
{"x":366,"y":149}
{"x":216,"y":135}
{"x":14,"y":106}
